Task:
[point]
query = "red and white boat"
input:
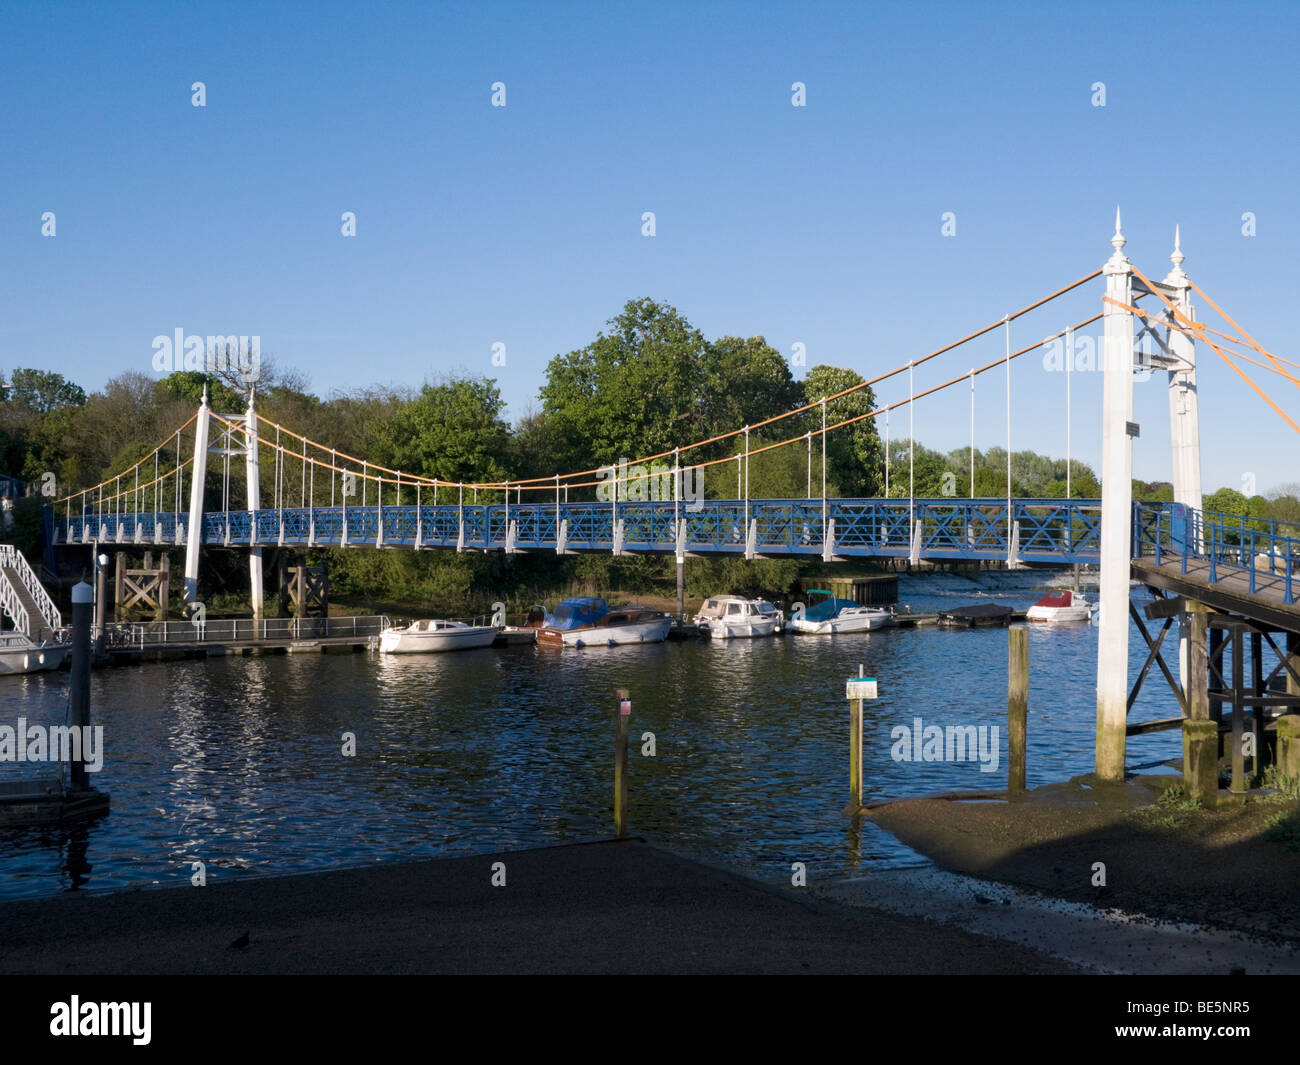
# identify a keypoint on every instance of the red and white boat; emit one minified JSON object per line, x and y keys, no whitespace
{"x":1061,"y":605}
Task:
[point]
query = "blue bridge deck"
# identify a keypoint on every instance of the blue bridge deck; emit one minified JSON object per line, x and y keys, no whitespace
{"x":1048,"y":530}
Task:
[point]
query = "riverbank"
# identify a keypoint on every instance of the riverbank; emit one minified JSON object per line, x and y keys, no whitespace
{"x":609,"y":907}
{"x":1236,"y":867}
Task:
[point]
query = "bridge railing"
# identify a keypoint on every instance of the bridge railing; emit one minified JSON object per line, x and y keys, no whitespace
{"x":1050,"y":530}
{"x":1264,"y":550}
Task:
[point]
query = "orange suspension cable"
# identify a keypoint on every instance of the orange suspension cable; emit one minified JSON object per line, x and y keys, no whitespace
{"x":1249,"y":339}
{"x":1210,"y":343}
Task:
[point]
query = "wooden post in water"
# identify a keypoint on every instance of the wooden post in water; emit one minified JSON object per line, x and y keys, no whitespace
{"x":622,"y":726}
{"x":856,"y":690}
{"x":1288,"y":725}
{"x":1238,"y":752}
{"x":855,"y":750}
{"x":1200,"y":733}
{"x":1017,"y":705}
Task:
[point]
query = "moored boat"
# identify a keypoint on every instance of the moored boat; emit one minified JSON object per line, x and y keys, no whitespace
{"x":21,"y":654}
{"x":725,"y":617}
{"x":425,"y":636}
{"x":589,"y":622}
{"x":1062,"y":604}
{"x":577,"y":612}
{"x":968,"y":617}
{"x":833,"y":616}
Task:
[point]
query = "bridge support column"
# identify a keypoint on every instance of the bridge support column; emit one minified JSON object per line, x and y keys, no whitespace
{"x":194,"y":534}
{"x":1184,"y":407}
{"x":1184,"y":415}
{"x":1116,"y":516}
{"x":254,"y":504}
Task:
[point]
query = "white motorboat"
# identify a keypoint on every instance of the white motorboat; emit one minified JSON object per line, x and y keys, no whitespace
{"x":725,"y":617}
{"x":1061,"y":605}
{"x":833,"y":616}
{"x":21,"y":654}
{"x":421,"y":637}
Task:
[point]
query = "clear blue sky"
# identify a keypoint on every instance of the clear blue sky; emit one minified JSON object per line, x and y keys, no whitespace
{"x":522,"y":225}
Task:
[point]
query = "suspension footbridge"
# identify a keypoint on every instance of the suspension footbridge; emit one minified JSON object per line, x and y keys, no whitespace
{"x":299,"y":493}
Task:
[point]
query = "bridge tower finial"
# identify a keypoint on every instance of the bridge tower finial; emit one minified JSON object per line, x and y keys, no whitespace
{"x":204,"y":401}
{"x":1118,"y":260}
{"x":1176,"y":275}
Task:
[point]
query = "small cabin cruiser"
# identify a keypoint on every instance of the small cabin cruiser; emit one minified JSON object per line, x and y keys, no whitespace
{"x":1061,"y":605}
{"x":589,"y":622}
{"x":725,"y":617}
{"x":832,"y":616}
{"x":425,"y":636}
{"x":578,"y":612}
{"x":21,"y":654}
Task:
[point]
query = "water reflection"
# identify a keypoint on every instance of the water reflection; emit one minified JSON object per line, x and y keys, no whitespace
{"x":240,"y":762}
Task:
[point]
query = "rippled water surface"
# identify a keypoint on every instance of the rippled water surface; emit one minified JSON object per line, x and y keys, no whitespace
{"x":236,"y":762}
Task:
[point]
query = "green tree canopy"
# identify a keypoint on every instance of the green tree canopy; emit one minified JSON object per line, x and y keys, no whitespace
{"x":452,"y":430}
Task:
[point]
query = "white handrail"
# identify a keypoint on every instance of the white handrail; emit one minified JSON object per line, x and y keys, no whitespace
{"x":13,"y":606}
{"x":11,"y":556}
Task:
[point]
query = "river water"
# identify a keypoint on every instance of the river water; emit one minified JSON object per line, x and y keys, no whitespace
{"x":238,"y":763}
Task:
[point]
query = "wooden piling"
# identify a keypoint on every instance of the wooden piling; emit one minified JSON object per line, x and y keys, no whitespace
{"x":623,"y":725}
{"x":1288,"y":745}
{"x":855,"y":753}
{"x":1200,"y":732}
{"x":119,"y":585}
{"x":1238,"y":784}
{"x":1017,"y":706}
{"x":1288,"y":725}
{"x":857,"y":690}
{"x":1293,"y":658}
{"x":164,"y":583}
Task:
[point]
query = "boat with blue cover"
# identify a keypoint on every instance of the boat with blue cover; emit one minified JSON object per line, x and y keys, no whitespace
{"x":587,"y":621}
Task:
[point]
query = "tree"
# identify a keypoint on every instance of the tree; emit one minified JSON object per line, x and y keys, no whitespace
{"x":632,"y":392}
{"x":854,"y":454}
{"x":42,"y":391}
{"x":652,"y":383}
{"x":453,"y":431}
{"x":747,"y":381}
{"x":37,"y":416}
